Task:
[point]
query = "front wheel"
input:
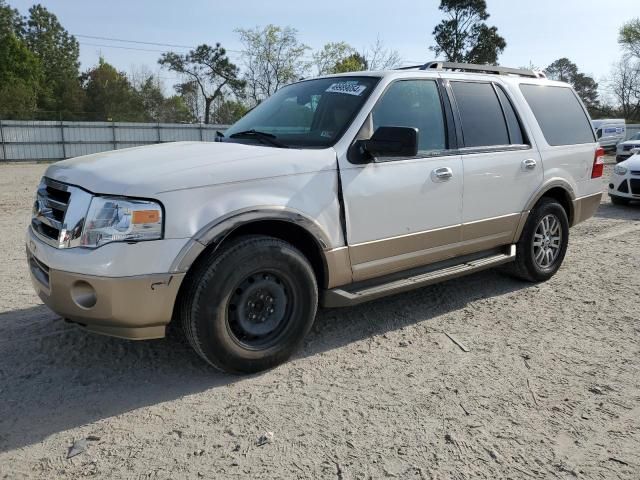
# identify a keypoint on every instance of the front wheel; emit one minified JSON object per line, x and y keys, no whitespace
{"x":543,"y":243}
{"x":247,"y":306}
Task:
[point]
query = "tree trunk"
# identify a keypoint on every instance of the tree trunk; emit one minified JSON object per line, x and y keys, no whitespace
{"x":207,"y":109}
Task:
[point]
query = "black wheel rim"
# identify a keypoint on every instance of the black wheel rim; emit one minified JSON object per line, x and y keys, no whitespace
{"x":259,"y":310}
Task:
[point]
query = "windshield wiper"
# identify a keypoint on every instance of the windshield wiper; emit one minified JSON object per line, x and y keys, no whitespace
{"x":263,"y":137}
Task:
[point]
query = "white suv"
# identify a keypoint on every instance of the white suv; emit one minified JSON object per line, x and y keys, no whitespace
{"x":336,"y":190}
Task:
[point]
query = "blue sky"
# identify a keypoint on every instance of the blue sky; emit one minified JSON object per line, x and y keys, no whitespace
{"x":537,"y":31}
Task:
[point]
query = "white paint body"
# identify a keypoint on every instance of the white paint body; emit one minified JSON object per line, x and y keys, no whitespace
{"x":631,"y":168}
{"x":198,"y":183}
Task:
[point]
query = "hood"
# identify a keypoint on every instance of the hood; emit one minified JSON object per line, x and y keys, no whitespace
{"x":630,"y":142}
{"x":632,"y":163}
{"x":146,"y":171}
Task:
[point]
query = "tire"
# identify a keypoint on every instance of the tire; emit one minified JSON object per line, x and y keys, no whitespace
{"x":616,"y":200}
{"x":248,"y":306}
{"x":534,"y":242}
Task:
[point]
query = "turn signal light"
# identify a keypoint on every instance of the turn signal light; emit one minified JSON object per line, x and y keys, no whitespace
{"x":145,"y":216}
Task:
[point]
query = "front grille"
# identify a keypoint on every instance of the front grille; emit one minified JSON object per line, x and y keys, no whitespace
{"x":40,"y":270}
{"x":635,"y":172}
{"x":626,"y":148}
{"x":52,"y":202}
{"x":59,"y":212}
{"x":635,"y":186}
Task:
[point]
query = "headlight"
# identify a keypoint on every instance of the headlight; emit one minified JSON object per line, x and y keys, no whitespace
{"x":620,"y":170}
{"x":113,"y":219}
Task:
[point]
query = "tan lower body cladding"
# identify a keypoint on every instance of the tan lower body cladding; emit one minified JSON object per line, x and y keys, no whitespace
{"x":382,"y":257}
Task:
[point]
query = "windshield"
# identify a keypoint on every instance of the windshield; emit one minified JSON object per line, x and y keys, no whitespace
{"x":312,"y":113}
{"x":635,"y":137}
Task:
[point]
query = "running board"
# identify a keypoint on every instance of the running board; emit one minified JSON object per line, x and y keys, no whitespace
{"x":345,"y":296}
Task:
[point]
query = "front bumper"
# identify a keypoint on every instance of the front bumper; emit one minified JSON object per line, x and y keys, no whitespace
{"x":133,"y":307}
{"x":625,"y":186}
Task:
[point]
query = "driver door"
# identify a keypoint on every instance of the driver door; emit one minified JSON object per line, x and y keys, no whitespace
{"x":405,"y":212}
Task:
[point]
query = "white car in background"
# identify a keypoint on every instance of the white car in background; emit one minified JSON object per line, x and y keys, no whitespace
{"x":609,"y":132}
{"x":624,"y":185}
{"x":623,"y":150}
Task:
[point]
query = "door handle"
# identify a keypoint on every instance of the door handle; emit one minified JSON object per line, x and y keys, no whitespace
{"x":529,"y":164}
{"x":442,"y":174}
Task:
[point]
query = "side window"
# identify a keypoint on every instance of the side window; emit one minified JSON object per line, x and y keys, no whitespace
{"x":413,"y":103}
{"x":515,"y":130}
{"x":559,"y":113}
{"x":483,"y":122}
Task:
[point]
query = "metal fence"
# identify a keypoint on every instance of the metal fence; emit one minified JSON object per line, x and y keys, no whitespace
{"x":50,"y":140}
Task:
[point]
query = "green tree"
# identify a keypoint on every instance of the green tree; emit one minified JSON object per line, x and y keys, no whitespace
{"x":333,"y":53}
{"x":20,"y":78}
{"x":175,"y":110}
{"x":229,"y":111}
{"x":463,"y":36}
{"x":110,"y":96}
{"x":352,"y":63}
{"x":10,"y":20}
{"x":188,"y":92}
{"x":629,"y":37}
{"x":273,"y":58}
{"x":157,"y":107}
{"x":209,"y":68}
{"x":58,"y":52}
{"x":564,"y":70}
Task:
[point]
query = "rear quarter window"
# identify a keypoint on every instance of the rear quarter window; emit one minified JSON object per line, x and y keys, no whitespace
{"x":559,"y":113}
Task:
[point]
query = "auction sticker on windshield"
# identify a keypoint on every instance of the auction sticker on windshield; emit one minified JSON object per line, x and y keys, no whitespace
{"x":349,"y":88}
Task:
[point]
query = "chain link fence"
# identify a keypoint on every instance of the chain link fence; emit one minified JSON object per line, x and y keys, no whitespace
{"x":56,"y":140}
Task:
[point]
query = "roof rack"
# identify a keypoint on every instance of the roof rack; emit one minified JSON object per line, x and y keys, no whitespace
{"x":470,"y":67}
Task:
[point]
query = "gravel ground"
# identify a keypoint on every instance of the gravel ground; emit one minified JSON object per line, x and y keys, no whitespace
{"x":550,"y":386}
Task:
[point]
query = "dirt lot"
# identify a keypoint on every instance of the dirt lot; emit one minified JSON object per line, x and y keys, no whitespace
{"x":549,"y":389}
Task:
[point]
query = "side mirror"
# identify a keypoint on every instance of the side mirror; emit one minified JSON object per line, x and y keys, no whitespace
{"x":392,"y":142}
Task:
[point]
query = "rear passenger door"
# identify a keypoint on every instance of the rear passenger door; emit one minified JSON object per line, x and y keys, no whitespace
{"x":501,"y":168}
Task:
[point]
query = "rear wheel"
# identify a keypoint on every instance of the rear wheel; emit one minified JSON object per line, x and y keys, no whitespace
{"x":543,"y":243}
{"x":248,"y":306}
{"x":616,"y":200}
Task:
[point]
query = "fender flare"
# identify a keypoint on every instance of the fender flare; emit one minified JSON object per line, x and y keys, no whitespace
{"x":548,"y":185}
{"x":215,"y":232}
{"x":556,"y":182}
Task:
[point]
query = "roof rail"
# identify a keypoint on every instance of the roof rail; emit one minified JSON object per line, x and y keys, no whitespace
{"x":470,"y":67}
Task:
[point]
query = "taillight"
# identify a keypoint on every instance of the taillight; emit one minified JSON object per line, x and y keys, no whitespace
{"x":598,"y":163}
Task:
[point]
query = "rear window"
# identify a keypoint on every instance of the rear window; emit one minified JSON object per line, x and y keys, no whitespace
{"x":483,"y":122}
{"x":559,"y":113}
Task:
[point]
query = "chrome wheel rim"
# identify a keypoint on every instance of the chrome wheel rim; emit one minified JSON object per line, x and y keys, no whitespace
{"x":547,"y":241}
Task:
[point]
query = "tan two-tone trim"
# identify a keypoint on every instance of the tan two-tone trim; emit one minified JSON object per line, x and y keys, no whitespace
{"x":338,"y":267}
{"x":382,"y":257}
{"x":585,"y":207}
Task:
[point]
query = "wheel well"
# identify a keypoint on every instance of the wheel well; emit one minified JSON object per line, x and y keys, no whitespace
{"x":291,"y":233}
{"x":563,"y":198}
{"x":284,"y":230}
